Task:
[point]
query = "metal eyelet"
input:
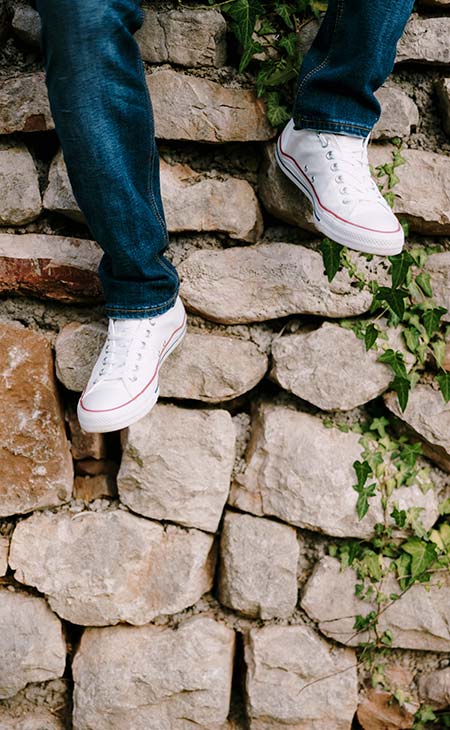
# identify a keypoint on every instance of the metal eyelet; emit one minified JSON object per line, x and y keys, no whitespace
{"x":313,"y":177}
{"x":306,"y":168}
{"x":334,"y":167}
{"x":329,"y":155}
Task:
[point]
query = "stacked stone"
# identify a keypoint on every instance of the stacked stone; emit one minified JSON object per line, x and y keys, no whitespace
{"x":178,"y":575}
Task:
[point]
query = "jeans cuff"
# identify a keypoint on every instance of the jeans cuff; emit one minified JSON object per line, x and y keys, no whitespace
{"x":140,"y":312}
{"x":332,"y":126}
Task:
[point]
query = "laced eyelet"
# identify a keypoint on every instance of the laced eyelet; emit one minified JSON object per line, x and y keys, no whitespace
{"x":339,"y":178}
{"x":313,"y":177}
{"x":306,"y":168}
{"x":334,"y":167}
{"x":329,"y":155}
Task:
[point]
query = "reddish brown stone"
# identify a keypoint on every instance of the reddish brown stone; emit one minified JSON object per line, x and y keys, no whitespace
{"x":90,"y":488}
{"x":84,"y":445}
{"x":380,"y":711}
{"x":35,"y":462}
{"x":51,"y":267}
{"x":94,"y":467}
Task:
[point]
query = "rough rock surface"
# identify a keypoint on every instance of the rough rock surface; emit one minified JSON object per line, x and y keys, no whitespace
{"x":298,"y":681}
{"x":50,"y":267}
{"x":77,"y":347}
{"x":39,"y":719}
{"x":192,"y":108}
{"x":189,"y":37}
{"x":20,"y":201}
{"x":438,"y":267}
{"x":417,"y":620}
{"x":331,"y":368}
{"x":176,"y":465}
{"x":302,"y":472}
{"x":26,"y":24}
{"x":99,"y":568}
{"x":443,"y":93}
{"x":379,"y":711}
{"x":258,"y":566}
{"x":425,"y":40}
{"x":24,"y":104}
{"x":32,"y":647}
{"x":198,"y":203}
{"x":167,"y":679}
{"x":428,"y":416}
{"x":35,"y":463}
{"x":434,"y":688}
{"x":4,"y":549}
{"x":256,"y":283}
{"x":398,"y":114}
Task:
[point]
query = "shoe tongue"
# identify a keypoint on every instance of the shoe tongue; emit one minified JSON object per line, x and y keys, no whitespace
{"x":123,"y":326}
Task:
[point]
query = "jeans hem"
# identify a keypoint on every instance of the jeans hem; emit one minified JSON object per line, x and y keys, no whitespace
{"x":332,"y":126}
{"x":139,"y":312}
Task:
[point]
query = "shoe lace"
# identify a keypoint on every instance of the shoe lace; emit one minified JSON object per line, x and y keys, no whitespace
{"x":350,"y":161}
{"x":121,"y":334}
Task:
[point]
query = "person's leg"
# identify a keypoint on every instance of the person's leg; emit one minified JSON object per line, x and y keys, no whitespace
{"x":350,"y":58}
{"x":323,"y":148}
{"x":103,"y":116}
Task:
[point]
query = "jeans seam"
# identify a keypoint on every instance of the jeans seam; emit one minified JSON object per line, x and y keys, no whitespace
{"x":118,"y":307}
{"x":339,"y":123}
{"x":339,"y":11}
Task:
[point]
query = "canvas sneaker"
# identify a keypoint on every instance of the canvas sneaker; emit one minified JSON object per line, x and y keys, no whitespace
{"x":124,"y":383}
{"x":333,"y":171}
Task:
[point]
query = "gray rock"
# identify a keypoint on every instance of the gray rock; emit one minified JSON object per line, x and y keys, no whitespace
{"x":26,"y":24}
{"x":298,"y":681}
{"x":302,"y":472}
{"x":58,"y":196}
{"x":258,"y":566}
{"x":166,"y":679}
{"x":4,"y":549}
{"x":192,"y":108}
{"x":32,"y":647}
{"x":99,"y":568}
{"x":417,"y":620}
{"x":398,"y":114}
{"x":176,"y":465}
{"x":434,"y":688}
{"x":427,"y":415}
{"x":257,"y":283}
{"x":442,"y":87}
{"x":39,"y":719}
{"x":20,"y":201}
{"x":24,"y":104}
{"x":77,"y":347}
{"x":331,"y":368}
{"x":425,"y":40}
{"x":423,"y":170}
{"x":188,"y":37}
{"x":438,"y":267}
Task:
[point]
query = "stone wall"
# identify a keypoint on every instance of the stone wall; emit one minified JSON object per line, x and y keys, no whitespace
{"x":178,"y":574}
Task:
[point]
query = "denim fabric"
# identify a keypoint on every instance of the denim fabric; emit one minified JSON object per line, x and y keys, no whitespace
{"x":103,"y":116}
{"x":351,"y":57}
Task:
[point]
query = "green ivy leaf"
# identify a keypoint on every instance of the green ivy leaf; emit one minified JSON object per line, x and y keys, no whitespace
{"x":423,"y":554}
{"x":400,"y":265}
{"x":394,"y":298}
{"x":438,"y":348}
{"x":331,"y":254}
{"x":402,"y":386}
{"x":444,"y":384}
{"x":396,"y":360}
{"x":432,"y":318}
{"x":423,"y":281}
{"x":371,"y":335}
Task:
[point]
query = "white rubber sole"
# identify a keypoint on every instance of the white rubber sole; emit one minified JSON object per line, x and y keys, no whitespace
{"x":114,"y":420}
{"x":383,"y":244}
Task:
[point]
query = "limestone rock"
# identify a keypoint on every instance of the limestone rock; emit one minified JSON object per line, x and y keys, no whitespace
{"x":417,"y":620}
{"x":24,"y":104}
{"x":20,"y":201}
{"x":423,"y":170}
{"x":35,"y":462}
{"x":298,"y":681}
{"x":302,"y":472}
{"x":99,"y":568}
{"x":192,"y":202}
{"x":442,"y":87}
{"x":434,"y":688}
{"x":425,"y":40}
{"x":176,"y":465}
{"x":26,"y":24}
{"x":77,"y":347}
{"x":438,"y":267}
{"x":166,"y":679}
{"x":379,"y":711}
{"x":50,"y":267}
{"x":331,"y":368}
{"x":189,"y":37}
{"x":258,"y":566}
{"x":32,"y":647}
{"x":212,"y":368}
{"x":428,"y":416}
{"x":4,"y":549}
{"x":398,"y":114}
{"x":39,"y":719}
{"x":257,"y":283}
{"x":198,"y":203}
{"x":192,"y":108}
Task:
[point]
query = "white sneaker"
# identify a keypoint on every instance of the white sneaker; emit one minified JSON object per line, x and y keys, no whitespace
{"x":124,"y":383}
{"x":332,"y":170}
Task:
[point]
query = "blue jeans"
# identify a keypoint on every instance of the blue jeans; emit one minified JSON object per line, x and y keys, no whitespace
{"x":351,"y":57}
{"x":103,"y":116}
